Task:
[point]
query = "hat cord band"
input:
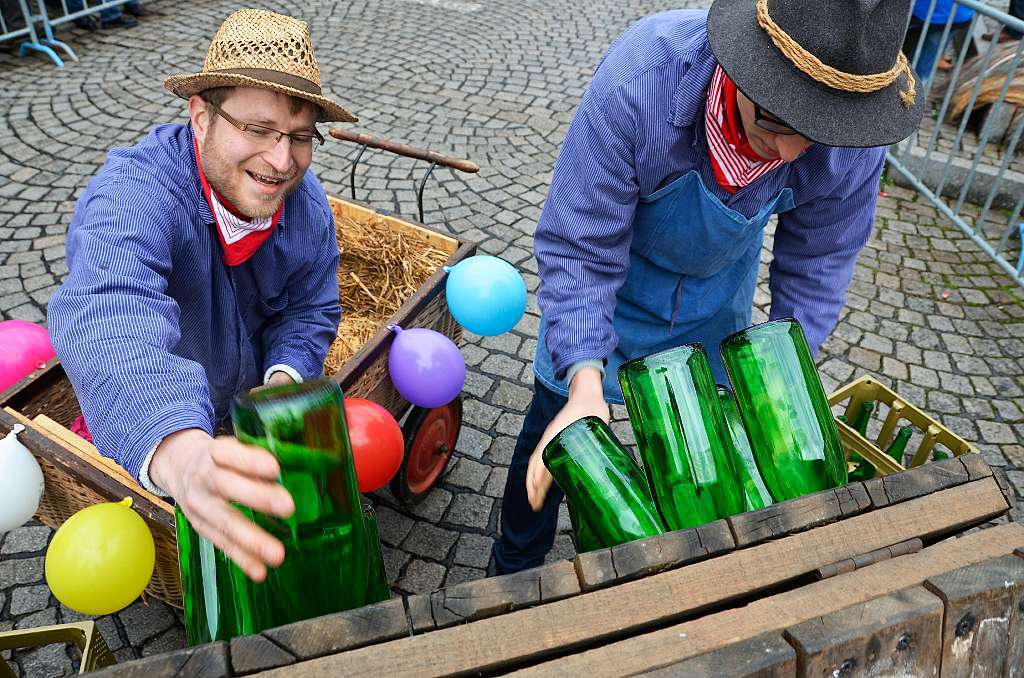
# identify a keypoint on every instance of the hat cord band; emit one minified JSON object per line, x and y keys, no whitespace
{"x":276,"y":77}
{"x":833,"y":77}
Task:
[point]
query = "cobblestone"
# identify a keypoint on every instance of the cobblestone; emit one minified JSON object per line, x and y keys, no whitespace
{"x":27,"y":599}
{"x":430,"y":541}
{"x":26,"y":539}
{"x":422,"y":576}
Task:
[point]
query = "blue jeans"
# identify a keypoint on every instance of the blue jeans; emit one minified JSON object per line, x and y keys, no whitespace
{"x":526,"y":537}
{"x":108,"y":14}
{"x":1016,"y":9}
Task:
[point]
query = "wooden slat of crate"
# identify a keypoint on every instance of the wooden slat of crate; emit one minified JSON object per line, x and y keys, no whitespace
{"x":620,"y":611}
{"x":644,"y":557}
{"x":206,"y":661}
{"x":799,"y":514}
{"x":899,"y":634}
{"x":981,"y":602}
{"x":666,"y":647}
{"x":767,"y":656}
{"x":924,"y":479}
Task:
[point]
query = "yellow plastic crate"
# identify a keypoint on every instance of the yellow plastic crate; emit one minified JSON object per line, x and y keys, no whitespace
{"x":901,"y":413}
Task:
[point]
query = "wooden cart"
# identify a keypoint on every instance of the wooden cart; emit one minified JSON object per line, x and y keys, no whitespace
{"x":76,"y":475}
{"x":884,"y":577}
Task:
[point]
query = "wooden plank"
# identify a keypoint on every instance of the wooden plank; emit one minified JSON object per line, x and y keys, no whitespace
{"x":206,"y":661}
{"x":342,"y":631}
{"x":645,"y":557}
{"x":922,"y":480}
{"x":493,"y":596}
{"x":767,"y":656}
{"x":1004,"y":484}
{"x":980,"y":601}
{"x":899,"y":634}
{"x":619,"y":611}
{"x":799,"y":514}
{"x":674,"y":644}
{"x":250,"y":654}
{"x":1015,"y":651}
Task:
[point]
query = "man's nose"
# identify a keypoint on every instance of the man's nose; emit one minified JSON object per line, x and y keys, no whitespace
{"x":280,"y":156}
{"x":791,"y":146}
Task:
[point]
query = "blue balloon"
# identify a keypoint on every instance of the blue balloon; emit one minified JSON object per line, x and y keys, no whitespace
{"x":486,"y":295}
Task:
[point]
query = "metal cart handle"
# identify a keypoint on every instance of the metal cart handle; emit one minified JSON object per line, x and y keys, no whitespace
{"x":367,"y":140}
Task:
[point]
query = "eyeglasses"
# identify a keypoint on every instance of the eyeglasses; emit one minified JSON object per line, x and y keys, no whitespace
{"x":769,"y":122}
{"x":268,"y":136}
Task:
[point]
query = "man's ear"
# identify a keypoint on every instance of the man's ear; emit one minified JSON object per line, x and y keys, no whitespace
{"x":199,"y":114}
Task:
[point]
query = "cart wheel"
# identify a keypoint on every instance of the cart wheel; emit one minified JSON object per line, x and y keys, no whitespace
{"x":430,"y":437}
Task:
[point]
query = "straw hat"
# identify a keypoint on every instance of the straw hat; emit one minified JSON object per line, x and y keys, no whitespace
{"x":256,"y":48}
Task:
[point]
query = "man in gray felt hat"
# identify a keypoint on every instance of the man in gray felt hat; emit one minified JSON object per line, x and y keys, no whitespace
{"x":696,"y":129}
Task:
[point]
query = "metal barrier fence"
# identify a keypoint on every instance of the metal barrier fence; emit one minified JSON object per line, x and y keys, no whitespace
{"x":954,"y":166}
{"x":57,"y":13}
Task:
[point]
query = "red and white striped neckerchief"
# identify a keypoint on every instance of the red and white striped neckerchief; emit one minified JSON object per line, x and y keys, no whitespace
{"x":735,"y":163}
{"x":240,"y":236}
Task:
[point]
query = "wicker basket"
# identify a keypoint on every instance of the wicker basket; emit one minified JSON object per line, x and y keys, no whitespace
{"x":929,"y":432}
{"x":77,"y":476}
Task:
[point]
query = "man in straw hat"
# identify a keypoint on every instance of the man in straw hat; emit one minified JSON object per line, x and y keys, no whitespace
{"x":202,"y":262}
{"x":696,"y":129}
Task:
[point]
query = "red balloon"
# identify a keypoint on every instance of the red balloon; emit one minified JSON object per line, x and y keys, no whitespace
{"x":377,"y":443}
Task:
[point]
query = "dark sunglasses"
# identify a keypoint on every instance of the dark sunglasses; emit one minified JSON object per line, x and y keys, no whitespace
{"x":770,"y":123}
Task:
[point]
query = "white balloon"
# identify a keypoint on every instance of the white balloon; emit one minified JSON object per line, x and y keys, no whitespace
{"x":21,"y":482}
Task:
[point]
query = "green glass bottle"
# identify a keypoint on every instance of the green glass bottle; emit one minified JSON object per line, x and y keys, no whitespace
{"x":860,"y":422}
{"x":682,"y":436}
{"x":863,"y":471}
{"x":899,"y":444}
{"x":784,"y":409}
{"x":377,"y":584}
{"x":603,"y":483}
{"x":328,"y":565}
{"x":755,"y":494}
{"x":582,"y":534}
{"x":939,"y":455}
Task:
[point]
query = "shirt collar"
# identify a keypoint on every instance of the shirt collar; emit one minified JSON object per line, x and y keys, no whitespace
{"x":690,"y":97}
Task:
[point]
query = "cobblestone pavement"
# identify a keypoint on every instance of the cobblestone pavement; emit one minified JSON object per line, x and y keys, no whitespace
{"x":497,"y":83}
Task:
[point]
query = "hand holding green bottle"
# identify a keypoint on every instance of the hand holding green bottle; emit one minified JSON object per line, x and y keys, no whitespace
{"x":586,"y":399}
{"x":205,"y":475}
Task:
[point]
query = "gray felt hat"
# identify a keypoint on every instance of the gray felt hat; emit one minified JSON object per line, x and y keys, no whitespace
{"x":830,"y":69}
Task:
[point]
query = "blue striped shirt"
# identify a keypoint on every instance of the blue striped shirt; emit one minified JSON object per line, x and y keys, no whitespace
{"x":636,"y":129}
{"x":156,"y":333}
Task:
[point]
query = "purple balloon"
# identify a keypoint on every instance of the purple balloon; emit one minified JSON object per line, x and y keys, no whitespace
{"x":426,"y":367}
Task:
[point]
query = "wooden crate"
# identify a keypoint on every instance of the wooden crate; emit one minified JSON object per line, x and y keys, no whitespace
{"x":866,"y":579}
{"x":77,"y":476}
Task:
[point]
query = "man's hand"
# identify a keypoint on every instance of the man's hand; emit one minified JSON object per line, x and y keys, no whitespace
{"x":586,"y":398}
{"x":204,"y":474}
{"x":276,"y":379}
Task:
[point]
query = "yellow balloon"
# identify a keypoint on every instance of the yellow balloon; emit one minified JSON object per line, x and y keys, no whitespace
{"x":100,"y":559}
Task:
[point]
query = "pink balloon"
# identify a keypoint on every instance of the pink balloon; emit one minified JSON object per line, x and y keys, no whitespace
{"x":24,"y":347}
{"x":425,"y":366}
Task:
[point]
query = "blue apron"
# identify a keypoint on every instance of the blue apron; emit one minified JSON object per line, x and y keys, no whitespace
{"x":693,"y":266}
